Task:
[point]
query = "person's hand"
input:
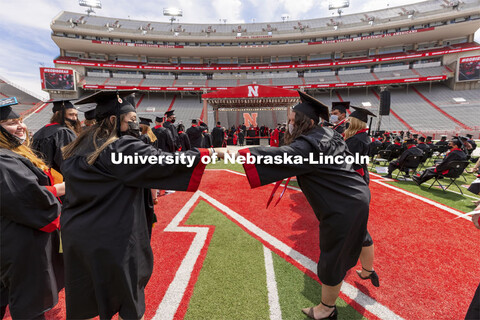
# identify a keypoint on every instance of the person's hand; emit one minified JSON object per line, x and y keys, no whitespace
{"x":60,"y":187}
{"x":472,"y":170}
{"x":475,"y":218}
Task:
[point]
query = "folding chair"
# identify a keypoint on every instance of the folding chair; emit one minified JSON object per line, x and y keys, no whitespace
{"x":373,"y":152}
{"x":426,"y":156}
{"x":455,"y":170}
{"x":411,"y":163}
{"x":384,"y":156}
{"x":396,"y":153}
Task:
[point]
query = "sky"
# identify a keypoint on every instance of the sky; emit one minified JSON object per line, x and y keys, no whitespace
{"x":25,"y":24}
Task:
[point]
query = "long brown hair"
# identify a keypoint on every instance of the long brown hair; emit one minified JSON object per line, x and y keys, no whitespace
{"x":303,"y":124}
{"x":355,"y":126}
{"x":23,"y":150}
{"x":58,"y":118}
{"x":105,"y":131}
{"x":148,"y":131}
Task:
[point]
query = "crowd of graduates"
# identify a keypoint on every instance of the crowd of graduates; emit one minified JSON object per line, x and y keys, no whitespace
{"x":63,"y":178}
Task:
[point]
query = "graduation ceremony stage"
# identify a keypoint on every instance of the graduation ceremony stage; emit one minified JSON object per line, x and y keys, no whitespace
{"x":219,"y":254}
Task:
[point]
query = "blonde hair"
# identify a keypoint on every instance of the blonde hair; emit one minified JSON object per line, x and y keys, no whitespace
{"x":89,"y":123}
{"x":355,"y":126}
{"x":23,"y":150}
{"x":103,"y":130}
{"x":148,"y":131}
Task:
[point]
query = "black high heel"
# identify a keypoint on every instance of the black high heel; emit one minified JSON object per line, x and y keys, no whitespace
{"x":332,"y":316}
{"x":373,"y":277}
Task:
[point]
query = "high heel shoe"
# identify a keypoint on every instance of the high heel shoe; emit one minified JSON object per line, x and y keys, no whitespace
{"x":373,"y":277}
{"x":333,"y":316}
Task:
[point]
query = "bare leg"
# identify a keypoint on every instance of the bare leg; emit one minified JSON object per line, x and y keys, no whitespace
{"x":329,"y":296}
{"x":366,"y":258}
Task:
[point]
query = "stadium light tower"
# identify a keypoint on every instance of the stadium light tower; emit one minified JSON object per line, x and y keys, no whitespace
{"x":338,"y":5}
{"x":172,"y":13}
{"x":285,"y":17}
{"x":97,"y":4}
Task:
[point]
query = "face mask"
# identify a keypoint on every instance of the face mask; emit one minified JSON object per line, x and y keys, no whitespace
{"x":21,"y":140}
{"x":72,"y":122}
{"x":133,"y":129}
{"x":172,"y":121}
{"x":290,"y":128}
{"x":450,"y":147}
{"x":333,"y":118}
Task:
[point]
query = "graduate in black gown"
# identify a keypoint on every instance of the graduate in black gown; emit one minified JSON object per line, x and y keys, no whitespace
{"x":31,"y":273}
{"x":50,"y":139}
{"x":146,"y":133}
{"x":170,"y":119}
{"x":107,"y":253}
{"x":164,"y":136}
{"x":339,"y":115}
{"x":358,"y":141}
{"x":218,"y":134}
{"x":338,"y":195}
{"x":184,"y":140}
{"x":411,"y":149}
{"x":195,"y":133}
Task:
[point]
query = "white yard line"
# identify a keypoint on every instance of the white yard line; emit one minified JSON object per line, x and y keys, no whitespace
{"x":273,"y":301}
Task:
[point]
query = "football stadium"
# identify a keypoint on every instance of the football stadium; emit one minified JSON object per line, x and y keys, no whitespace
{"x":85,"y":236}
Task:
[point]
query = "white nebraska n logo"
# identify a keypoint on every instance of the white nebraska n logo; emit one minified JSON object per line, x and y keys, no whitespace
{"x":253,"y":91}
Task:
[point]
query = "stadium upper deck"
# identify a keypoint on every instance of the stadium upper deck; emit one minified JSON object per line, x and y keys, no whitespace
{"x":434,"y":20}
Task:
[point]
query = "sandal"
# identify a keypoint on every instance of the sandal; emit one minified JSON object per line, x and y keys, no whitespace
{"x":373,"y":277}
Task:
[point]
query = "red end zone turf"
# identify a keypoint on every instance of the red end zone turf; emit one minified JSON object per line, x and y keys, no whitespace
{"x":427,"y":263}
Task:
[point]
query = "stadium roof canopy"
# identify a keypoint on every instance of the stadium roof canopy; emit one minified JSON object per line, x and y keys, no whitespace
{"x":252,"y":96}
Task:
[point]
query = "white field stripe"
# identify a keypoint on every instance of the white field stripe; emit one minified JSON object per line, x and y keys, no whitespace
{"x":428,"y":184}
{"x":273,"y":301}
{"x":176,"y":290}
{"x":353,"y":293}
{"x":416,"y":196}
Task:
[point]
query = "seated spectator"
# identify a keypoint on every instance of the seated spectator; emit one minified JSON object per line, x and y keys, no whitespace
{"x":386,"y":141}
{"x":443,"y":141}
{"x":411,"y":150}
{"x":396,"y":145}
{"x":455,"y":154}
{"x":429,"y":142}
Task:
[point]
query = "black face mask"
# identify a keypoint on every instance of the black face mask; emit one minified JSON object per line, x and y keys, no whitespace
{"x":172,"y":121}
{"x":72,"y":122}
{"x":450,"y":147}
{"x":133,"y":129}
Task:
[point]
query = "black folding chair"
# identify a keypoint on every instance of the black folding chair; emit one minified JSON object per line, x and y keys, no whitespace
{"x":411,"y":163}
{"x":455,"y":170}
{"x":396,"y":153}
{"x":373,"y":152}
{"x":383,"y":156}
{"x":426,"y":156}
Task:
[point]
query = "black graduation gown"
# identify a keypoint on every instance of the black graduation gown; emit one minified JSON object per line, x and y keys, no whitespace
{"x":146,"y":139}
{"x":176,"y":140}
{"x":29,"y":216}
{"x":241,"y":138}
{"x":454,"y":155}
{"x":49,"y":141}
{"x":147,"y":193}
{"x":338,"y":195}
{"x":359,"y":144}
{"x":195,"y":134}
{"x":184,"y":141}
{"x":164,"y":139}
{"x":386,"y":144}
{"x":218,"y":135}
{"x":340,"y":128}
{"x":422,"y":146}
{"x":207,"y":140}
{"x":108,"y":258}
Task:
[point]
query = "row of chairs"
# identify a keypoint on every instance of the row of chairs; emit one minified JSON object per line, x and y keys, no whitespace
{"x":415,"y":164}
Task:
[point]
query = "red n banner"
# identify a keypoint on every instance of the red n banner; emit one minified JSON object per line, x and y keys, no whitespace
{"x":250,"y":120}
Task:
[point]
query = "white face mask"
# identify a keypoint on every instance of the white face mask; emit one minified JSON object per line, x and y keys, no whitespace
{"x":333,"y":118}
{"x":290,"y":128}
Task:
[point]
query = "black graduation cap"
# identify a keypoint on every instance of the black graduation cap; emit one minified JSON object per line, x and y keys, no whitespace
{"x":145,"y":121}
{"x":421,"y":139}
{"x":194,"y":121}
{"x":469,"y":136}
{"x":458,"y":142}
{"x":410,"y":141}
{"x":169,"y":113}
{"x":311,"y":107}
{"x":109,"y":102}
{"x":415,"y":135}
{"x":341,"y":106}
{"x":61,"y":104}
{"x":444,"y":137}
{"x":89,"y":111}
{"x":429,"y":137}
{"x":6,"y":111}
{"x":159,"y":119}
{"x":361,"y":114}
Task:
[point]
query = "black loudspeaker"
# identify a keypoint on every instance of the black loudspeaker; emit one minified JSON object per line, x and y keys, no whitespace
{"x":385,"y":103}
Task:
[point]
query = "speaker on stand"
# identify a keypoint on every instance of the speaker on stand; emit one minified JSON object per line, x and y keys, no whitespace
{"x":384,"y":107}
